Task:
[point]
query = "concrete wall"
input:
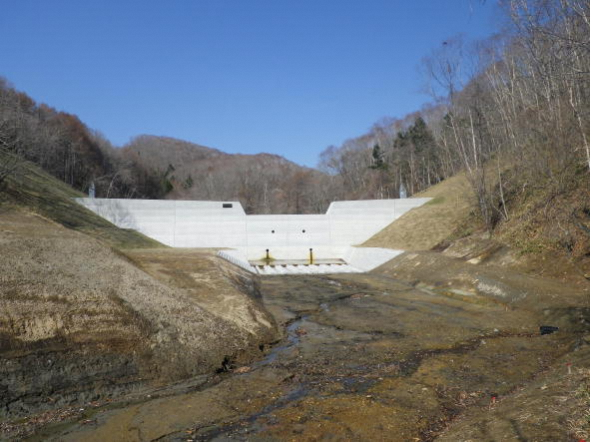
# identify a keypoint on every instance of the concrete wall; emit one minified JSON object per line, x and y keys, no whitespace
{"x":354,"y":222}
{"x":205,"y":224}
{"x":191,"y":224}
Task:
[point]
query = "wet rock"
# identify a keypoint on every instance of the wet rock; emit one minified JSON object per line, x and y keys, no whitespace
{"x":544,"y":330}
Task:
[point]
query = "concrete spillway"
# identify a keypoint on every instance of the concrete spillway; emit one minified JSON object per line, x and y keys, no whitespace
{"x":264,"y":244}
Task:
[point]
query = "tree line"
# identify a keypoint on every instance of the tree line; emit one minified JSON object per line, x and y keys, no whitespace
{"x":513,"y":108}
{"x":66,"y":148}
{"x":149,"y":166}
{"x":263,"y":183}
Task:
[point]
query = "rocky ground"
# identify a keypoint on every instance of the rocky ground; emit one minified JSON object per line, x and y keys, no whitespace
{"x":373,"y":357}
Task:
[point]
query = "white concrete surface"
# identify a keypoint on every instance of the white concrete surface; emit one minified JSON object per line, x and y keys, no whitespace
{"x":208,"y":224}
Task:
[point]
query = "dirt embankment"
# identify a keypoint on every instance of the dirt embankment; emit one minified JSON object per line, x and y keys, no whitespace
{"x":546,"y":234}
{"x":79,"y":319}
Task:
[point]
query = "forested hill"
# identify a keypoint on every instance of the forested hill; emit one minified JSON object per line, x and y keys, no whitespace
{"x":150,"y":166}
{"x":264,"y":183}
{"x":156,"y":151}
{"x":511,"y":113}
{"x":62,"y":145}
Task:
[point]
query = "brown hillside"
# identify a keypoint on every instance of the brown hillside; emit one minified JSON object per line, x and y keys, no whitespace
{"x":263,"y":183}
{"x":425,"y":227}
{"x":80,"y":319}
{"x":547,"y":233}
{"x":192,"y":159}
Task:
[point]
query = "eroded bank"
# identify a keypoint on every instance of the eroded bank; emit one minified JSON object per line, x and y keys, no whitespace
{"x":81,"y":321}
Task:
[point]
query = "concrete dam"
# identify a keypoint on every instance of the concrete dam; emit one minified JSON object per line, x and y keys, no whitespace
{"x":265,"y":244}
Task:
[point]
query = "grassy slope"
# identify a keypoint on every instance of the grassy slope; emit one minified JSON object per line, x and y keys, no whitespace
{"x":425,"y":227}
{"x":547,"y":233}
{"x":549,"y":222}
{"x":36,"y":191}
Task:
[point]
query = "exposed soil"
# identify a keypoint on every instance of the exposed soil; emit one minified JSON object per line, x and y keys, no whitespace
{"x":80,"y":322}
{"x":371,"y":357}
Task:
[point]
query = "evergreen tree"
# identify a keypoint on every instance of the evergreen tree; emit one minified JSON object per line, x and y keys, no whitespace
{"x":378,"y":159}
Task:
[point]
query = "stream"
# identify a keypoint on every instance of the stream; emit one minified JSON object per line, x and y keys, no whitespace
{"x":364,"y":357}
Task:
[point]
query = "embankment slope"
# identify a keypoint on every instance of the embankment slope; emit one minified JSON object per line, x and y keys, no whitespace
{"x":426,"y":226}
{"x":80,"y":319}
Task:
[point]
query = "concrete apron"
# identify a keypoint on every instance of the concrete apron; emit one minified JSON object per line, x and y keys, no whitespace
{"x":345,"y":260}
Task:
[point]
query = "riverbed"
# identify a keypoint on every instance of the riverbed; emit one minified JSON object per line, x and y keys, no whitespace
{"x":363,"y":357}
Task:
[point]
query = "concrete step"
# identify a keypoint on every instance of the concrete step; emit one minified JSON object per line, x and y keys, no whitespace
{"x":305,"y":269}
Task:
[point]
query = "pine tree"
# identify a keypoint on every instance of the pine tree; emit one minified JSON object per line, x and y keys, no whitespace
{"x":378,"y":159}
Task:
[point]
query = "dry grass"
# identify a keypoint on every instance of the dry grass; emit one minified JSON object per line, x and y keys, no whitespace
{"x":206,"y":280}
{"x":67,"y":286}
{"x":425,"y":227}
{"x":43,"y":194}
{"x":547,"y":233}
{"x":39,"y":295}
{"x":549,"y":221}
{"x":578,"y":423}
{"x":60,"y":286}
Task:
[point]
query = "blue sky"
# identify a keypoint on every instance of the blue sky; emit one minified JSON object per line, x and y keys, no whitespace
{"x":286,"y":77}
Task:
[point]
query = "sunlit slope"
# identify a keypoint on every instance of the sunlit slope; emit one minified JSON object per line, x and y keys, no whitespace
{"x":80,"y":319}
{"x":35,"y":190}
{"x":424,"y":227}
